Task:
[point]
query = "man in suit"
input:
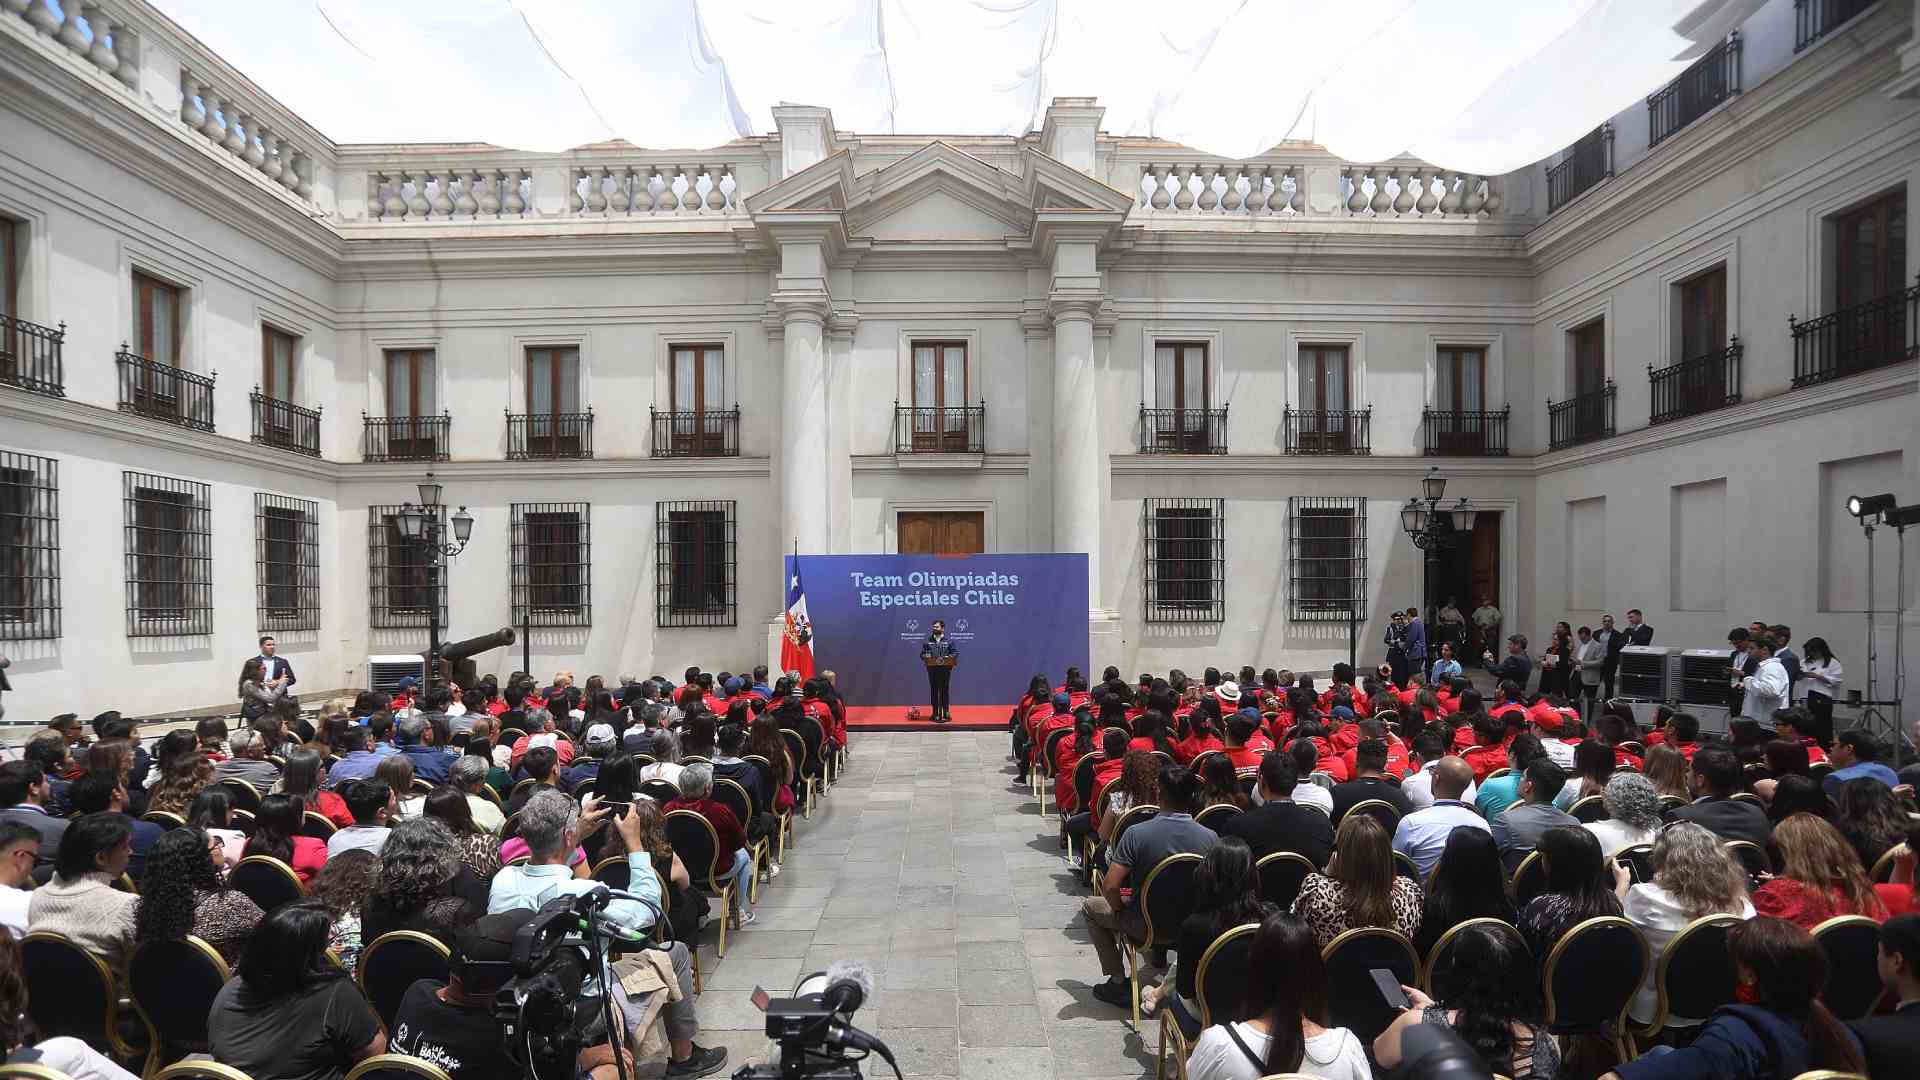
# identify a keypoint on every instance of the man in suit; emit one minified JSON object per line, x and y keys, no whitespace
{"x":1638,"y":633}
{"x":938,"y":647}
{"x":1416,"y":642}
{"x":1279,"y":823}
{"x":1892,"y":1041}
{"x":1517,"y":668}
{"x":1714,"y":776}
{"x":1612,"y":641}
{"x":23,"y":798}
{"x":275,"y":668}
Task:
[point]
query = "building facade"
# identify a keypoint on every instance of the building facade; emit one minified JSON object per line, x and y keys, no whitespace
{"x":1657,"y":364}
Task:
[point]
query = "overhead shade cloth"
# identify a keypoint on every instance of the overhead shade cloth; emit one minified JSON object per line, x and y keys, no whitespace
{"x":1487,"y":86}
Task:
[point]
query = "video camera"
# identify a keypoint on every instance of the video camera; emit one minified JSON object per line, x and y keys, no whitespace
{"x":556,"y":1000}
{"x":815,"y":1030}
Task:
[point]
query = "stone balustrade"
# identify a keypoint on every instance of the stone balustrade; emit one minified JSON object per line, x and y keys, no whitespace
{"x":91,"y":31}
{"x":459,"y":183}
{"x":465,"y":193}
{"x":229,"y":122}
{"x":655,"y":190}
{"x":1280,"y":188}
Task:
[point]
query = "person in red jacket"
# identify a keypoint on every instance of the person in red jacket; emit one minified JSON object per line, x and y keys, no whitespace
{"x":1203,"y":732}
{"x":1059,"y":719}
{"x":1791,"y":724}
{"x":1067,"y":754}
{"x":731,"y":858}
{"x":1343,"y":733}
{"x":1375,"y":728}
{"x":1241,"y":748}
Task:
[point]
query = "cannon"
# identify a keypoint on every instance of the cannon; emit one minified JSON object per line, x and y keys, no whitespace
{"x":456,"y":667}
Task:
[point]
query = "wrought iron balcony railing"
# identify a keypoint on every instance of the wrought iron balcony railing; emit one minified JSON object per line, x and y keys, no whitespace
{"x":961,"y":429}
{"x":1589,"y":162}
{"x":285,"y":426}
{"x":1702,"y":384}
{"x":549,"y":435}
{"x":696,"y":433}
{"x":30,"y":356}
{"x":163,"y":392}
{"x":1329,"y":431}
{"x":1581,"y":418}
{"x":1882,"y":331}
{"x":1710,"y":80}
{"x":1815,"y":19}
{"x":1469,"y":433}
{"x":1183,"y":431}
{"x":405,"y":438}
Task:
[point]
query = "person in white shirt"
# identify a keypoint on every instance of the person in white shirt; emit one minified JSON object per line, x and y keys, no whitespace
{"x":19,"y":847}
{"x":1767,"y":688}
{"x":1821,"y":678}
{"x":1695,"y":878}
{"x":1422,"y":835}
{"x":1284,"y":969}
{"x":1428,"y":748}
{"x":1486,"y":620}
{"x":1590,"y":666}
{"x":1633,"y":814}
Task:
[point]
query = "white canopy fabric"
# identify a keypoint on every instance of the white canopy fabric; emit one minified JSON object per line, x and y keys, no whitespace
{"x":1486,"y":86}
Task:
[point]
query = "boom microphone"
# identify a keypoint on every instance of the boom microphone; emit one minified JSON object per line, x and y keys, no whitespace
{"x":849,"y":986}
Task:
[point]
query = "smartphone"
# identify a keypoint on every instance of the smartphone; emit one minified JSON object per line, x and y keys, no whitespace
{"x":615,"y":804}
{"x":1390,"y":991}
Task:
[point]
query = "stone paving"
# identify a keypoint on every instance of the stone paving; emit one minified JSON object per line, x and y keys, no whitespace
{"x":929,"y":864}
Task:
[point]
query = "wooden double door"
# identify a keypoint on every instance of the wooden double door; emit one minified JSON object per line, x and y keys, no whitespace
{"x":942,"y":532}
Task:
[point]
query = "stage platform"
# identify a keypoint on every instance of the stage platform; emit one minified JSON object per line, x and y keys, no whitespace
{"x":894,"y":718}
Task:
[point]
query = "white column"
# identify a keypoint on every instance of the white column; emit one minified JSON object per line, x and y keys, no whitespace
{"x":1076,"y":443}
{"x":803,"y":427}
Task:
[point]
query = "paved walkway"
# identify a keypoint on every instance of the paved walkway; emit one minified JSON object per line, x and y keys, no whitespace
{"x":930,"y":865}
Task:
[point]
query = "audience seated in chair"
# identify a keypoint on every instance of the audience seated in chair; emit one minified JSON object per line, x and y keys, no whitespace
{"x":290,"y":1013}
{"x":1112,"y":914}
{"x":1223,"y":898}
{"x":1714,"y":776}
{"x":1892,"y":1041}
{"x":1359,"y":886}
{"x":1780,"y":1029}
{"x":1492,"y":1001}
{"x":1820,"y":877}
{"x":81,"y":902}
{"x":1279,"y":823}
{"x":732,"y":857}
{"x":1518,"y":829}
{"x":66,"y":1054}
{"x":1693,"y":876}
{"x":186,"y":894}
{"x":1286,"y":1004}
{"x":423,"y":884}
{"x":1423,"y":834}
{"x":343,"y":889}
{"x":1579,"y":887}
{"x":1633,"y":814}
{"x":373,"y":805}
{"x":1467,"y":883}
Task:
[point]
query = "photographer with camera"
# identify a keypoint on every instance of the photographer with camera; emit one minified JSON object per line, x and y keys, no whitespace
{"x":553,"y":825}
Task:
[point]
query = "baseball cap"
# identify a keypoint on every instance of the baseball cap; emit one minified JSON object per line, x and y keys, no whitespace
{"x":600,"y":734}
{"x":735,"y":685}
{"x":407,"y":682}
{"x":1547,"y":720}
{"x":1062,"y":701}
{"x":1228,"y":691}
{"x":483,"y":949}
{"x":1341,"y":712}
{"x":1250,"y":713}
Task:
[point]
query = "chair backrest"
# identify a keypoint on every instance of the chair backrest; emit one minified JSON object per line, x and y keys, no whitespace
{"x":492,"y":796}
{"x":1498,"y":773}
{"x":1353,"y":1000}
{"x":1529,"y":878}
{"x":1200,"y":759}
{"x":1278,"y":875}
{"x":421,"y":786}
{"x":1379,"y":809}
{"x":163,"y":819}
{"x":1592,"y":974}
{"x":509,"y":827}
{"x":1819,"y":770}
{"x":245,"y":822}
{"x":200,"y":1070}
{"x":1050,"y":752}
{"x":1099,"y":802}
{"x":521,"y":786}
{"x":730,"y":794}
{"x":1134,"y":816}
{"x":1639,"y":859}
{"x":1439,"y":989}
{"x":1752,"y":857}
{"x":1852,"y":943}
{"x":397,"y":1067}
{"x":393,"y":962}
{"x":316,"y":826}
{"x":1404,"y":866}
{"x":1589,"y":810}
{"x":660,"y":791}
{"x":1882,"y":871}
{"x":1165,"y":897}
{"x":1221,"y":978}
{"x":1213,"y":817}
{"x":266,"y":881}
{"x":1694,"y":977}
{"x":31,"y":1072}
{"x":797,"y":746}
{"x":697,"y":844}
{"x":613,"y":871}
{"x":70,"y":991}
{"x":173,"y":984}
{"x":1671,"y":802}
{"x":245,"y":795}
{"x":1747,"y":796}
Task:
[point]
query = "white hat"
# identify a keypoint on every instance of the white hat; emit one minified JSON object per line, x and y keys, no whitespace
{"x":600,"y":733}
{"x":1228,"y":691}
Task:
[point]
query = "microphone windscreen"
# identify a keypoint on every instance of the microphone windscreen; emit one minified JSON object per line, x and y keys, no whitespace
{"x":849,"y":985}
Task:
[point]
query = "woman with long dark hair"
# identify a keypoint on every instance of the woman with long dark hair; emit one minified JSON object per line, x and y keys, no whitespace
{"x":1286,"y":1005}
{"x":1493,"y":1003}
{"x":479,"y":849}
{"x":1150,"y":734}
{"x":1066,"y":758}
{"x":1139,"y":786}
{"x":1792,"y":794}
{"x":1821,"y":678}
{"x":305,"y":772}
{"x":1220,"y":784}
{"x":1867,"y":815}
{"x":256,"y":697}
{"x":1780,"y":1028}
{"x":185,"y":894}
{"x":423,"y":884}
{"x":276,"y":832}
{"x":292,"y":1014}
{"x":1222,"y":899}
{"x":212,"y":812}
{"x":1468,"y":882}
{"x":1579,"y":887}
{"x":185,"y":776}
{"x":1359,"y":887}
{"x":1203,"y":734}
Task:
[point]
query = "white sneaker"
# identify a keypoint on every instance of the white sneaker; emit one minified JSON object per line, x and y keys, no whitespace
{"x":773,"y":870}
{"x":746,"y":919}
{"x":1074,"y":863}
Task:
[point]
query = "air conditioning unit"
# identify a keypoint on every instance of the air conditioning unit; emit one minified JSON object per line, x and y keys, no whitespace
{"x":1704,"y":677}
{"x":1648,"y":673}
{"x":385,"y":672}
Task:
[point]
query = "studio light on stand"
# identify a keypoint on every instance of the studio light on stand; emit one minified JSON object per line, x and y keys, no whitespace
{"x":1900,"y":518}
{"x":1868,"y":510}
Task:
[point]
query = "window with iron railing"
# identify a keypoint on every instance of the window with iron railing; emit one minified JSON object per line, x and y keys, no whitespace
{"x":960,"y":429}
{"x":1328,"y":431}
{"x":1581,"y":418}
{"x":29,"y":547}
{"x":284,"y":425}
{"x":1586,"y":163}
{"x":163,"y":392}
{"x":1185,"y":541}
{"x":1695,"y":385}
{"x":405,"y":438}
{"x":552,"y":564}
{"x":1465,"y":433}
{"x":286,"y":537}
{"x":1815,"y":19}
{"x":1873,"y":321}
{"x":30,"y":356}
{"x":1326,"y":557}
{"x":689,"y":433}
{"x":169,"y":556}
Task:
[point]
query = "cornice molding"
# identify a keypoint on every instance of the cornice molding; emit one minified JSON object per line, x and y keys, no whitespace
{"x":909,"y":465}
{"x":562,"y":471}
{"x":17,"y":406}
{"x":1309,"y":466}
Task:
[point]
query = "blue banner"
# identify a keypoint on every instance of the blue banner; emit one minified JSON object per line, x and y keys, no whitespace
{"x":1010,"y":617}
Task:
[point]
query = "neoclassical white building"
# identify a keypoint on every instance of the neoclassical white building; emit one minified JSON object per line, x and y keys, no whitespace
{"x":1657,"y":364}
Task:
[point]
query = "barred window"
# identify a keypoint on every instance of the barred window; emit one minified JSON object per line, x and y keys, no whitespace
{"x":169,"y":554}
{"x":1186,"y":559}
{"x":1326,"y":557}
{"x":552,"y":564}
{"x":694,"y":571}
{"x":286,"y":556}
{"x":29,"y":546}
{"x":403,"y":586}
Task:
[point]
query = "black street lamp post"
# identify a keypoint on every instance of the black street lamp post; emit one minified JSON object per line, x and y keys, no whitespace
{"x":421,"y":525}
{"x":1434,"y":530}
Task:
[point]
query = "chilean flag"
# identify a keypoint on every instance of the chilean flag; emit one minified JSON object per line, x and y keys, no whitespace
{"x":796,"y":639}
